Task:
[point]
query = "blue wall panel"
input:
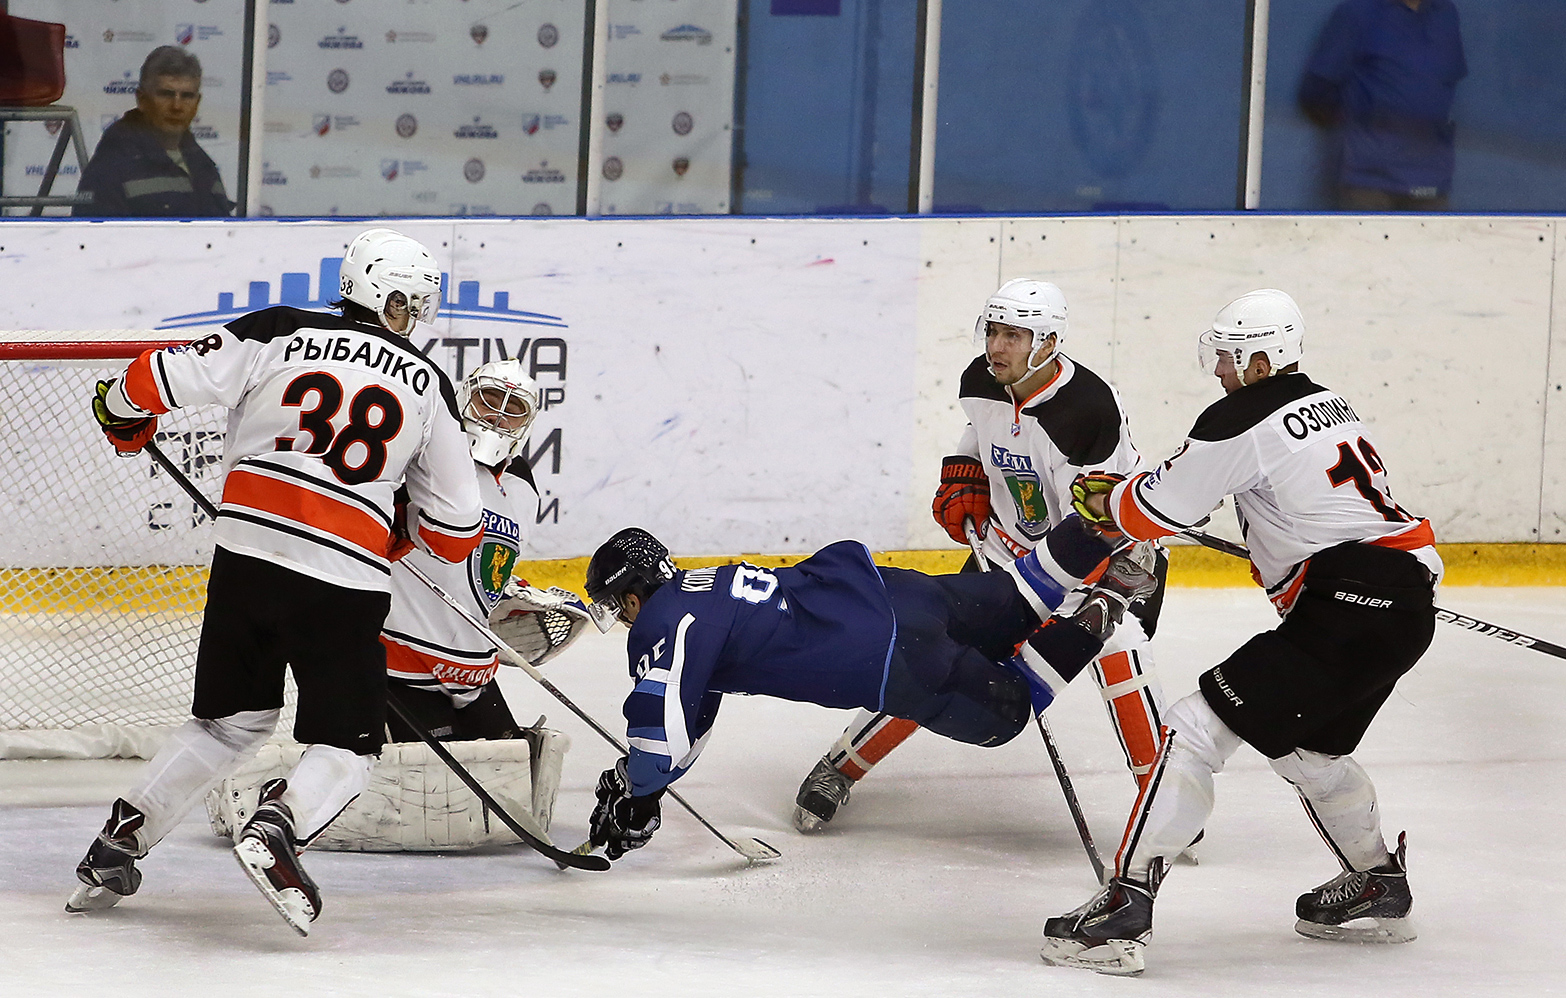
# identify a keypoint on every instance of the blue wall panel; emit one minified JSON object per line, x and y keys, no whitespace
{"x":1083,"y":104}
{"x":1510,"y":111}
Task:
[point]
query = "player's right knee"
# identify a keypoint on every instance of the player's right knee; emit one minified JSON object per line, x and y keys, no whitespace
{"x":1195,"y":727}
{"x":242,"y":732}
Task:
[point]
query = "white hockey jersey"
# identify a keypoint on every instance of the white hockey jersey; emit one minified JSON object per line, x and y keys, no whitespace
{"x":1304,"y":474}
{"x":427,"y":643}
{"x":1034,"y":449}
{"x":327,"y":416}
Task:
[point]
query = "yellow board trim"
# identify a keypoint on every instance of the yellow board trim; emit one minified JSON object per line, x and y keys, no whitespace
{"x":182,"y":588}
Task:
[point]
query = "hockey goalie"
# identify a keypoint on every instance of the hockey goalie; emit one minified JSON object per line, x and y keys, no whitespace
{"x":442,"y":670}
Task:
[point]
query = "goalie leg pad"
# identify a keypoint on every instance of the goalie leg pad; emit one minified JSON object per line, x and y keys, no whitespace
{"x":1341,"y":802}
{"x":325,"y":782}
{"x":1177,"y":798}
{"x":414,"y":803}
{"x":196,"y":756}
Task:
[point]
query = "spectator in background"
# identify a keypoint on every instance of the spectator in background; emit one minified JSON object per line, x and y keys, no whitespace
{"x":1386,"y":71}
{"x":148,"y":163}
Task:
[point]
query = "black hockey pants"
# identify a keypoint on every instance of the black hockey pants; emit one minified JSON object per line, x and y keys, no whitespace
{"x":953,"y":634}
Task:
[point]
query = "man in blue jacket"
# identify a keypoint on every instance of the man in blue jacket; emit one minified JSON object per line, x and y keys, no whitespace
{"x":1387,"y":72}
{"x":839,"y":631}
{"x":148,"y":162}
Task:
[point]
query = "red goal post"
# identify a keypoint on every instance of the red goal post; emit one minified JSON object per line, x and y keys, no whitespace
{"x":104,"y":560}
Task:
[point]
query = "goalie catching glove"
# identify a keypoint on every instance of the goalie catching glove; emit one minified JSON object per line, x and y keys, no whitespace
{"x":538,"y":623}
{"x":1097,"y":483}
{"x":621,"y":822}
{"x":128,"y":436}
{"x":964,"y":492}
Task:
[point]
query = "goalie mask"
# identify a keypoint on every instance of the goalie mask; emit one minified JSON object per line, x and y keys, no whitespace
{"x":632,"y":561}
{"x":1266,"y":321}
{"x":1037,"y":306}
{"x":498,"y":402}
{"x":392,"y":276}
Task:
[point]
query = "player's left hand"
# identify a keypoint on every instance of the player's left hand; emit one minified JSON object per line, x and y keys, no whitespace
{"x":400,"y":542}
{"x":1090,"y":497}
{"x":538,"y":623}
{"x":621,"y":822}
{"x":128,"y":436}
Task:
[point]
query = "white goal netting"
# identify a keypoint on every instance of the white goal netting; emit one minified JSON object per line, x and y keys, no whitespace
{"x":103,"y":560}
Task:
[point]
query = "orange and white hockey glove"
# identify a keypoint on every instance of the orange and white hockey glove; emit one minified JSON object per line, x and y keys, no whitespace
{"x":128,"y":436}
{"x":964,"y":492}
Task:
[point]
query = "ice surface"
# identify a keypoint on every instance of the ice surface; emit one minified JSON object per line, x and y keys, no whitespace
{"x":935,"y":880}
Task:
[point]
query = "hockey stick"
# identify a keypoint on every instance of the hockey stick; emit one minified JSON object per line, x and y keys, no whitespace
{"x":1074,"y":805}
{"x":752,"y":849}
{"x":1506,"y":634}
{"x":560,"y":856}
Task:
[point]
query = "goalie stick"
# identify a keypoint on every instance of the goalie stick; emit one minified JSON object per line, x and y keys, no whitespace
{"x":562,"y":858}
{"x":1074,"y":805}
{"x":1489,"y":630}
{"x":754,"y":850}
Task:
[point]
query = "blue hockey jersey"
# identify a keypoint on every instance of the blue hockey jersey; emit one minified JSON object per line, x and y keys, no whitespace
{"x":820,"y":632}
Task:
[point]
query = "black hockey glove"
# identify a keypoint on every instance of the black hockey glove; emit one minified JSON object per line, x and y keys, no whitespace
{"x":621,"y":822}
{"x":128,"y":436}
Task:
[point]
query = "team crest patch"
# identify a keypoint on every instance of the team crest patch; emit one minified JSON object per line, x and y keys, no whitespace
{"x":1026,"y":492}
{"x":495,"y":561}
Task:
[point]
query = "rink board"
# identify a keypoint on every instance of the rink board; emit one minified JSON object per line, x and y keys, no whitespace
{"x":778,"y":384}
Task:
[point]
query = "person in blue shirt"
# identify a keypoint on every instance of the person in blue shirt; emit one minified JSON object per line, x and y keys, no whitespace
{"x":839,"y":631}
{"x":1387,"y":72}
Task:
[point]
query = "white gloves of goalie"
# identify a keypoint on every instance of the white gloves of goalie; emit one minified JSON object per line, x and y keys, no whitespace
{"x":538,"y":623}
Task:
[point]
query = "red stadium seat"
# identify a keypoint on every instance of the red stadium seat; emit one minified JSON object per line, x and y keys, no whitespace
{"x":32,"y":62}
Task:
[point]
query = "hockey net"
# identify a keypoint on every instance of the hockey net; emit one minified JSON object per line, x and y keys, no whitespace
{"x":103,"y":562}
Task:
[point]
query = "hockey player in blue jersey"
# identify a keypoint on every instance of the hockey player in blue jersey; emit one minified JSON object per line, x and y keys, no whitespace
{"x":839,"y":631}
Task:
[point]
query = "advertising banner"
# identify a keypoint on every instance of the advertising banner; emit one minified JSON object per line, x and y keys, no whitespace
{"x":668,"y":108}
{"x":730,"y":389}
{"x":105,"y":44}
{"x":432,"y":107}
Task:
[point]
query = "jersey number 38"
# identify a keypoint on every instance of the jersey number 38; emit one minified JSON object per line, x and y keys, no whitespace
{"x":357,"y":453}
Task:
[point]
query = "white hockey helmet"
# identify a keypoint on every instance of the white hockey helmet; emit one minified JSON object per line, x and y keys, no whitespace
{"x":382,"y":262}
{"x":498,"y":402}
{"x":1035,"y":305}
{"x":1266,"y":321}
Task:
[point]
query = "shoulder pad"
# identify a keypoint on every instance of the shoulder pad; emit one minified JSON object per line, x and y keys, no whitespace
{"x":519,"y":468}
{"x":979,"y":383}
{"x":1082,"y":418}
{"x":1237,"y":412}
{"x":282,"y":320}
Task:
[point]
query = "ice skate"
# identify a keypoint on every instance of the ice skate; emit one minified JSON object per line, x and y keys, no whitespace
{"x":1361,"y":907}
{"x":108,"y":871}
{"x":1108,"y":934}
{"x":1189,"y":855}
{"x":266,"y":853}
{"x":823,"y":792}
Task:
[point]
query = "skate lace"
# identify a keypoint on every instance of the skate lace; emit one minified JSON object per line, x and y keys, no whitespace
{"x":827,"y":781}
{"x":1342,"y":888}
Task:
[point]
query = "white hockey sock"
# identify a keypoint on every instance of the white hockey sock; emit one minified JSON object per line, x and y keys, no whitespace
{"x":1341,"y":802}
{"x":1178,"y":798}
{"x":326,"y":780}
{"x":198,"y":755}
{"x":866,"y":741}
